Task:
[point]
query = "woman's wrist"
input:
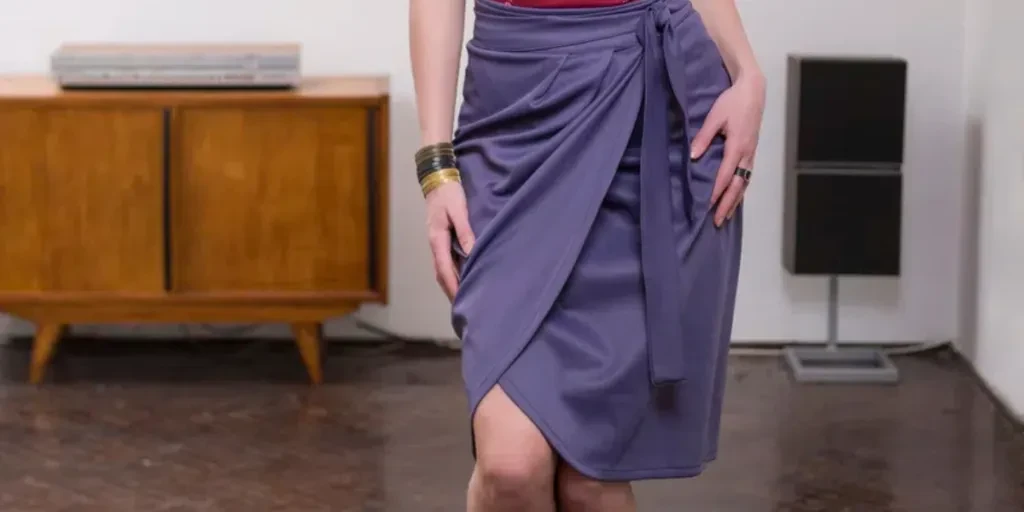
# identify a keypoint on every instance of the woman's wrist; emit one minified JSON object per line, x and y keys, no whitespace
{"x":431,"y":138}
{"x":435,"y":166}
{"x":749,"y":74}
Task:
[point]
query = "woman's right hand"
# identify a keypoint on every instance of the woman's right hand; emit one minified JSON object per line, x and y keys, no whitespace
{"x":447,"y":212}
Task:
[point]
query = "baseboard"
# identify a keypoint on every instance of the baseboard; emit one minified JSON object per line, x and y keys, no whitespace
{"x":746,"y":345}
{"x":1001,"y":403}
{"x":779,"y":345}
{"x":347,"y":328}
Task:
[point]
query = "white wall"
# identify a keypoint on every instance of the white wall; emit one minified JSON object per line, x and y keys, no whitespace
{"x":994,"y":190}
{"x":352,"y":36}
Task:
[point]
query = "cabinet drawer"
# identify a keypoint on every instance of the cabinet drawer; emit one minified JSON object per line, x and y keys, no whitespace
{"x":268,"y":198}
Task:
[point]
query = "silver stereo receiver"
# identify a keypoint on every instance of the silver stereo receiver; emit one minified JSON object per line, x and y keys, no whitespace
{"x":177,"y":65}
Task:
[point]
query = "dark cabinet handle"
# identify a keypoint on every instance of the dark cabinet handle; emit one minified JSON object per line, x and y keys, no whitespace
{"x":371,"y":189}
{"x":168,"y":276}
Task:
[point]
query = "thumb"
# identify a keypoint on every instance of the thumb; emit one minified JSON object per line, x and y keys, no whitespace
{"x":700,"y":143}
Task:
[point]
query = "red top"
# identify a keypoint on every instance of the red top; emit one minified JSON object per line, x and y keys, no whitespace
{"x":564,"y":3}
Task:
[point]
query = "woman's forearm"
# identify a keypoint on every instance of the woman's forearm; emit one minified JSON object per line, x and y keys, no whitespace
{"x":722,"y":20}
{"x":435,"y":41}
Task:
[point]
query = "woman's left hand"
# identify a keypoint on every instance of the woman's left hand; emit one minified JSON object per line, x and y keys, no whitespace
{"x":736,"y":115}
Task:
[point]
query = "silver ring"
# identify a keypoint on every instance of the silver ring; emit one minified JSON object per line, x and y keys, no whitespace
{"x":744,"y":174}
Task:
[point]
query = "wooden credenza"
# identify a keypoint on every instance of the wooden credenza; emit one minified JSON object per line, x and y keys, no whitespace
{"x":192,"y":206}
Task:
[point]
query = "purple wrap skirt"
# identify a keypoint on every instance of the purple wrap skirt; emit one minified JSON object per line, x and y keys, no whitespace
{"x":599,"y":294}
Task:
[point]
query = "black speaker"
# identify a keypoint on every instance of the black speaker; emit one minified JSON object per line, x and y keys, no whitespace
{"x":845,"y":119}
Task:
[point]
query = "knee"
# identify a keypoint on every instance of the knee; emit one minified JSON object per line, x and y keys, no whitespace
{"x":515,"y":477}
{"x":577,"y":492}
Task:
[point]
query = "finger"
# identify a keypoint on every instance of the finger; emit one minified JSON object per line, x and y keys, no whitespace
{"x":444,"y":267}
{"x":726,"y":172}
{"x":459,"y":218}
{"x":739,"y":200}
{"x":730,"y":199}
{"x":736,"y":206}
{"x":700,"y":143}
{"x":747,"y":162}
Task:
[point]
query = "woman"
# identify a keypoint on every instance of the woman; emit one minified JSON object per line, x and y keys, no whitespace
{"x":585,"y":222}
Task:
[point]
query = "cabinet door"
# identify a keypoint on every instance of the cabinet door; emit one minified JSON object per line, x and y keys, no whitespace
{"x":270,"y":199}
{"x":81,"y":200}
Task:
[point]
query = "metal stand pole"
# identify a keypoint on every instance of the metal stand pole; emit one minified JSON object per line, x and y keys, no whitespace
{"x":839,"y":365}
{"x":832,"y":342}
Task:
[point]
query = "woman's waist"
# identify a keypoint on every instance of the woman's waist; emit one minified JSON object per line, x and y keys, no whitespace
{"x":520,"y":27}
{"x":563,"y":4}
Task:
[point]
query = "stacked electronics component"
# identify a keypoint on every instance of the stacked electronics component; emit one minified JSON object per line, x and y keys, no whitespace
{"x":177,"y":66}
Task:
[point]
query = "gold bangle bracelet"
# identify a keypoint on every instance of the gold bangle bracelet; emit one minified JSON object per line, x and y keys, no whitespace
{"x":430,"y":185}
{"x":447,"y":173}
{"x":438,"y":178}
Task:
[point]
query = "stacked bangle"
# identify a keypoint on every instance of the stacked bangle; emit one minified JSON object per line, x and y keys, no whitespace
{"x":438,"y":178}
{"x":435,"y":166}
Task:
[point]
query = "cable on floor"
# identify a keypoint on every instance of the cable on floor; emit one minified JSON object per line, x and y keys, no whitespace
{"x":907,"y":350}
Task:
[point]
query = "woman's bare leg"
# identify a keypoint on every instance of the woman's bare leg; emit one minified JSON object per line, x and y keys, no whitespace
{"x":578,"y":493}
{"x":515,"y":465}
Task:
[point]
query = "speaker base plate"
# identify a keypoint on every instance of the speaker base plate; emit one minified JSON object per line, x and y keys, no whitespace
{"x":841,"y":365}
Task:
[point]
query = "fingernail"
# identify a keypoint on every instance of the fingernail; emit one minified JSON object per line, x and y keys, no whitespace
{"x":693,"y":155}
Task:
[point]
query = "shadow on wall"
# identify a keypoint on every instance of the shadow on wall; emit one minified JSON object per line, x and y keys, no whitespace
{"x":974,"y":137}
{"x":11,"y":327}
{"x":343,"y":328}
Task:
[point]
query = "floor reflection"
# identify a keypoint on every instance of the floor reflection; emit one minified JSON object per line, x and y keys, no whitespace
{"x":233,"y":427}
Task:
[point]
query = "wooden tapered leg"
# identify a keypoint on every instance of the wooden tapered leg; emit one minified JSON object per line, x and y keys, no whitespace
{"x":43,"y":346}
{"x":309,"y":339}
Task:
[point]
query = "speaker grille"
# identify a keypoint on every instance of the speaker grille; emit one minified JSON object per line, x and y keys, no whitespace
{"x":848,"y":224}
{"x":850,"y":113}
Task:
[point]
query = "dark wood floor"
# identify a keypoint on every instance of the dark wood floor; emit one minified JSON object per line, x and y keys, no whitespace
{"x":146,"y":427}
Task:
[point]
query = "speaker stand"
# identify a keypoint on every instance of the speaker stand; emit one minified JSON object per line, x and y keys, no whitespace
{"x":833,"y":364}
